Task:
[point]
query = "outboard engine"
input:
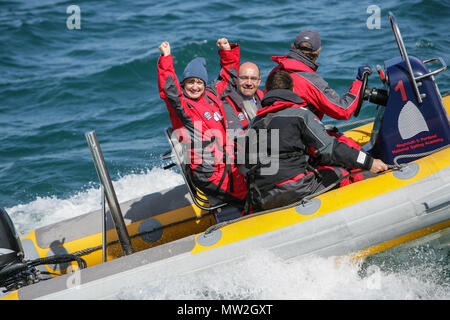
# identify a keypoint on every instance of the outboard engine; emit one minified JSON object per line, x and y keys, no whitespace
{"x":11,"y":251}
{"x":15,"y":271}
{"x":414,"y":122}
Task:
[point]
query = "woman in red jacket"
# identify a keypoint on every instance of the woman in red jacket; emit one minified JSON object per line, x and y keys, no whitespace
{"x":197,"y":119}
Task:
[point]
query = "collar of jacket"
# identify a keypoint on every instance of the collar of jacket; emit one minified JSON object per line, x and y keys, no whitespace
{"x":295,"y":61}
{"x":302,"y":58}
{"x":234,"y":94}
{"x":279,"y":99}
{"x":202,"y":99}
{"x":206,"y":98}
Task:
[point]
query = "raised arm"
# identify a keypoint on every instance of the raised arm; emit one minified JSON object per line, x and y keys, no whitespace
{"x":170,"y":90}
{"x":169,"y":87}
{"x":229,"y":61}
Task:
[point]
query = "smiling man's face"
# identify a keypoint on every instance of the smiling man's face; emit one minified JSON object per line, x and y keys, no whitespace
{"x":249,"y":79}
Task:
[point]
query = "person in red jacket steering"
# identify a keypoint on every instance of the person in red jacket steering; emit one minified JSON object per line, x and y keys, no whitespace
{"x":300,"y":63}
{"x":197,"y":120}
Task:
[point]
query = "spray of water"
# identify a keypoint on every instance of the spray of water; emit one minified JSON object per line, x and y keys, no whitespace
{"x":263,"y":276}
{"x":418,"y":273}
{"x":46,"y":210}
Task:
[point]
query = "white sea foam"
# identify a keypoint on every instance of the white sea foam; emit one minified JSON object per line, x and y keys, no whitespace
{"x":46,"y":210}
{"x":263,"y":276}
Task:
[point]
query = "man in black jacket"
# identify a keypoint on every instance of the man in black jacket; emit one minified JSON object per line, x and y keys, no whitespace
{"x":298,"y":129}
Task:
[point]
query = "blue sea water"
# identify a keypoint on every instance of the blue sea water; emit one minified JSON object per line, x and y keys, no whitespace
{"x":58,"y":83}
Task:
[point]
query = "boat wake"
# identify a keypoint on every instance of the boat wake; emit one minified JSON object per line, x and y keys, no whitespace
{"x":416,"y":273}
{"x":47,"y":210}
{"x":264,"y":276}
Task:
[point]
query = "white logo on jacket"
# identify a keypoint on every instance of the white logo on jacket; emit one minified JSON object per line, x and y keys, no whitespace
{"x":217,"y":116}
{"x":207,"y":115}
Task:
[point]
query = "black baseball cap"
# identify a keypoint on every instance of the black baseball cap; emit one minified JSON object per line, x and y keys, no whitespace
{"x":310,"y":36}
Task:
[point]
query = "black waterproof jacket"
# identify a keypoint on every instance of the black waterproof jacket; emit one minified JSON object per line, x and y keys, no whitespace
{"x":288,"y":129}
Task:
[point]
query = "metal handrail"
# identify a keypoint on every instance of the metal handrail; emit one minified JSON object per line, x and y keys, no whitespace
{"x":110,"y":194}
{"x":432,"y":73}
{"x":193,"y":191}
{"x":404,"y":54}
{"x":104,"y":242}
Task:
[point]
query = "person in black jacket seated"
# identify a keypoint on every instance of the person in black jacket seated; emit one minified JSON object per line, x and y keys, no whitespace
{"x":299,"y":130}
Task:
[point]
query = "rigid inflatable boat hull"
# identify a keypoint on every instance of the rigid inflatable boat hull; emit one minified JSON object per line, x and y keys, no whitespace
{"x":418,"y":208}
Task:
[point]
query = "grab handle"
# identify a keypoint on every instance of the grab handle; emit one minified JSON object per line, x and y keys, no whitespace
{"x":402,"y":49}
{"x":110,"y":194}
{"x":432,"y":73}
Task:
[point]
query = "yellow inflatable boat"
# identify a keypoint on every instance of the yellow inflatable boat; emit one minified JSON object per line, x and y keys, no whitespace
{"x":177,"y":232}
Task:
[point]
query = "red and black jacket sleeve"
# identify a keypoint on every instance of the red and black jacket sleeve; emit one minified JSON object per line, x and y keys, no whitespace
{"x":316,"y":91}
{"x":170,"y":91}
{"x":330,"y":150}
{"x":230,"y":62}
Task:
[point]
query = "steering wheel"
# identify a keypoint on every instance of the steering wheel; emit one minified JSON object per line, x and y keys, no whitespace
{"x":362,"y":94}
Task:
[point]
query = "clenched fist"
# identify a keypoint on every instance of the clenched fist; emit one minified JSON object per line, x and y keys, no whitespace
{"x":223,"y":44}
{"x":164,"y":48}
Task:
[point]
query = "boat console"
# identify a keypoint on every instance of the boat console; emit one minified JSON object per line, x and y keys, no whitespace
{"x":411,"y":121}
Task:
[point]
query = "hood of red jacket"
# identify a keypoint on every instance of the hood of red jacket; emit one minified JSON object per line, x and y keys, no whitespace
{"x":295,"y":61}
{"x":279,"y":99}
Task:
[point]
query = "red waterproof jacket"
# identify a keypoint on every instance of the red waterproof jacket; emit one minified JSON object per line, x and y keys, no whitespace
{"x":225,"y":87}
{"x":200,"y":127}
{"x":314,"y":90}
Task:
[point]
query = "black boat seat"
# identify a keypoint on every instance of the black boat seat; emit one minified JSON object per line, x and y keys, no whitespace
{"x":201,"y":200}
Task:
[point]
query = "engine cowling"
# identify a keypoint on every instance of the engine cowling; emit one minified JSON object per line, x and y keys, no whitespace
{"x":11,"y":250}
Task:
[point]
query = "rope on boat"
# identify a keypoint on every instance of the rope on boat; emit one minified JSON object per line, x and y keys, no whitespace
{"x":414,"y":155}
{"x":331,"y":126}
